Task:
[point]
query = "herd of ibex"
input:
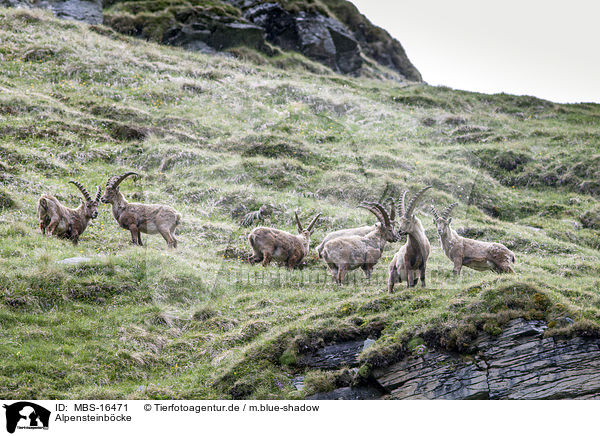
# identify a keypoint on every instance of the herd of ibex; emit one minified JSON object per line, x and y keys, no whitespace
{"x":342,"y":250}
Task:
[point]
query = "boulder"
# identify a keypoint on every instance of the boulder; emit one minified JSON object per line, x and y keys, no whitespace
{"x":323,"y":39}
{"x":89,"y":11}
{"x":279,"y":25}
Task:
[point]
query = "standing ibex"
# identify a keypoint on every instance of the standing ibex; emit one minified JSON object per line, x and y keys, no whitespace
{"x":64,"y":222}
{"x":412,"y":256}
{"x":357,"y":231}
{"x":347,"y":253}
{"x":273,"y":244}
{"x":477,"y":255}
{"x":141,"y":218}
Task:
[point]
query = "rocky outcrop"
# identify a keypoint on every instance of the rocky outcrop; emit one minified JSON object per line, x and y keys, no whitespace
{"x":367,"y":392}
{"x":318,"y":37}
{"x":89,"y":11}
{"x":517,"y":364}
{"x":333,"y":356}
{"x":375,"y":42}
{"x":340,"y":40}
{"x":291,"y":26}
{"x":337,"y":40}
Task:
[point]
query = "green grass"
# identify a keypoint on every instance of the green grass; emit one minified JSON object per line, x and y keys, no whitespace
{"x":213,"y":136}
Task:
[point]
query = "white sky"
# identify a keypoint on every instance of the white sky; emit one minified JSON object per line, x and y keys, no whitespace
{"x":549,"y":49}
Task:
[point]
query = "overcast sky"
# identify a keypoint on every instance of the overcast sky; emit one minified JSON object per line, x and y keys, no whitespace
{"x":549,"y":49}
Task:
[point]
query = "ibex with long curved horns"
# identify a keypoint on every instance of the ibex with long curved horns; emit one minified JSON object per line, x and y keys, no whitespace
{"x":477,"y":255}
{"x":347,"y":253}
{"x":357,"y":231}
{"x":273,"y":244}
{"x":412,"y":256}
{"x":64,"y":222}
{"x":141,"y":218}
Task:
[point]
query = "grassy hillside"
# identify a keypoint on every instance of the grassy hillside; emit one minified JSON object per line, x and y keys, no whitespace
{"x":216,"y":137}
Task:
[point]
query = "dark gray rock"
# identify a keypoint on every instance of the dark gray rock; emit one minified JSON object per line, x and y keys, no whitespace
{"x":349,"y":393}
{"x":375,"y":42}
{"x":320,"y":38}
{"x":517,"y":364}
{"x":236,"y":34}
{"x":335,"y":356}
{"x":209,"y":35}
{"x":89,"y":11}
{"x":190,"y":37}
{"x":279,"y":25}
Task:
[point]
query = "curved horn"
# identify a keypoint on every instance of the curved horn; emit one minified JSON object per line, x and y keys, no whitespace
{"x":392,"y":209}
{"x":313,"y":222}
{"x":413,"y":202}
{"x":384,"y":213}
{"x":433,"y":211}
{"x":448,"y":210}
{"x":98,"y":194}
{"x":371,"y":208}
{"x":116,"y":181}
{"x":300,"y":228}
{"x":402,"y":202}
{"x":82,"y":189}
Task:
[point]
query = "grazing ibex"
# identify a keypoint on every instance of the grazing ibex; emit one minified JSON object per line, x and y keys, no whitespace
{"x":357,"y":231}
{"x":273,"y":244}
{"x":477,"y":255}
{"x":347,"y":253}
{"x":141,"y":218}
{"x":64,"y":222}
{"x":412,"y":256}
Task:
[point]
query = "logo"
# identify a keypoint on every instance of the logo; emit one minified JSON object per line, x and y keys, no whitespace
{"x":26,"y":415}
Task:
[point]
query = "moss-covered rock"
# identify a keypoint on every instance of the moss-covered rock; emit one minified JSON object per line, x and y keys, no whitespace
{"x":591,"y":219}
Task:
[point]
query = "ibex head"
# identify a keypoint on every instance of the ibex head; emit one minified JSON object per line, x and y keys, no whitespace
{"x":387,"y":223}
{"x":443,"y":221}
{"x":301,"y":230}
{"x":112,"y":186}
{"x":407,"y":221}
{"x":90,"y":205}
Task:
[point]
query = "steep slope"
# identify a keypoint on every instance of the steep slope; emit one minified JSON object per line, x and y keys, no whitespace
{"x":217,"y":137}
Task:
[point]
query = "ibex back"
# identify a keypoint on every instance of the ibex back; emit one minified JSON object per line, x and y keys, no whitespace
{"x":273,"y":244}
{"x":141,"y":218}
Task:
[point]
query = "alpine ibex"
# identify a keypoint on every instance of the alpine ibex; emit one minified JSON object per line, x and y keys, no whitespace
{"x":357,"y":231}
{"x":273,"y":244}
{"x":64,"y":222}
{"x":347,"y":253}
{"x":412,"y":256}
{"x":478,"y":255}
{"x":141,"y":218}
